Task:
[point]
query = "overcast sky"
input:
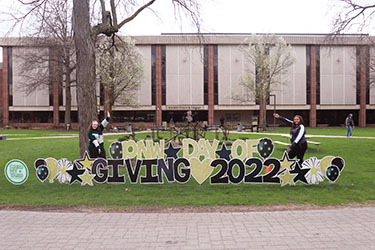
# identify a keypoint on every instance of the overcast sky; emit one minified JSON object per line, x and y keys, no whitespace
{"x":244,"y":16}
{"x":233,"y":16}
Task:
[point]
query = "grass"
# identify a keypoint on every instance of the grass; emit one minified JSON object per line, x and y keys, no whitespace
{"x":355,"y":184}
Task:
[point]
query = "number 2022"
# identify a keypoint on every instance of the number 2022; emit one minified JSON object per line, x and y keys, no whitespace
{"x":226,"y":173}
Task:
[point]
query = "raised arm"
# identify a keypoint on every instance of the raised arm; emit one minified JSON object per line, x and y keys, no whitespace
{"x":277,"y":116}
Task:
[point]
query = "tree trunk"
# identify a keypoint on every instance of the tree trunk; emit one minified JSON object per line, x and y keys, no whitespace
{"x":85,"y":52}
{"x":68,"y":100}
{"x":263,"y":113}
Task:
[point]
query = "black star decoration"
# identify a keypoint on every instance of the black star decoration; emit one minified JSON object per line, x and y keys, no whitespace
{"x":74,"y":173}
{"x":301,"y":173}
{"x":171,"y":151}
{"x":224,"y":153}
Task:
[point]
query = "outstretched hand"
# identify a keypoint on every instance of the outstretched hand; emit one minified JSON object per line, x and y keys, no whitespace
{"x":108,"y":114}
{"x":276,"y":115}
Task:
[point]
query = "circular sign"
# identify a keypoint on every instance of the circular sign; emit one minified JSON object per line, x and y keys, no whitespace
{"x":16,"y":172}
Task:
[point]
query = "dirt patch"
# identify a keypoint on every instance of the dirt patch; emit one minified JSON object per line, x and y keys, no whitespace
{"x":202,"y":209}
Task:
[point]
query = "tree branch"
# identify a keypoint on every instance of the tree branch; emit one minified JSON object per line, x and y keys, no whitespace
{"x":126,"y":20}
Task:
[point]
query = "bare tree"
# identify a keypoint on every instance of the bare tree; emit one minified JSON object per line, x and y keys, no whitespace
{"x":355,"y":15}
{"x":50,"y":34}
{"x":119,"y":13}
{"x":120,"y":70}
{"x":267,"y":58}
{"x":85,"y":36}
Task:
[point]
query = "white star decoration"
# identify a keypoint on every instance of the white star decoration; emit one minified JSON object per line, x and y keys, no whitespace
{"x":315,"y":175}
{"x":62,"y":175}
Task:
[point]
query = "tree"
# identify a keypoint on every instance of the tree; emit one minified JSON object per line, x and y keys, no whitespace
{"x":358,"y":16}
{"x":267,"y":58}
{"x":354,"y":15}
{"x":52,"y":30}
{"x":120,"y":70}
{"x":86,"y":34}
{"x":85,"y":37}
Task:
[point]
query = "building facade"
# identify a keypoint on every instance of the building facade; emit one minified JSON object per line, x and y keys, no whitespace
{"x":182,"y":72}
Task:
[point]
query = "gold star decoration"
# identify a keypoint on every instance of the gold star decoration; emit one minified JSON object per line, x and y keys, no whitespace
{"x":287,"y":178}
{"x":286,"y":163}
{"x":85,"y":162}
{"x":314,"y":170}
{"x":87,"y":178}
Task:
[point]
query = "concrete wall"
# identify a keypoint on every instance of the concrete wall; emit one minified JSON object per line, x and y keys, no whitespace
{"x":338,"y":75}
{"x":40,"y":97}
{"x":184,"y":75}
{"x":292,"y":87}
{"x":232,"y":65}
{"x":144,"y":92}
{"x":184,"y":69}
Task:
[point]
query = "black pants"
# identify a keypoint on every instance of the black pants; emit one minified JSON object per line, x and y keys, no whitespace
{"x":299,"y":150}
{"x":94,"y":153}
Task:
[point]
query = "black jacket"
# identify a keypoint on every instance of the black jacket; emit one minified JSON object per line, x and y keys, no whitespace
{"x":297,"y":133}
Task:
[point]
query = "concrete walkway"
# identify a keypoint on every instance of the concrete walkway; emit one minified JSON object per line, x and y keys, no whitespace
{"x":341,"y":228}
{"x":234,"y":132}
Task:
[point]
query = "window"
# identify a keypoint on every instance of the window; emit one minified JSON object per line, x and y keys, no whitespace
{"x":308,"y":72}
{"x":10,"y":76}
{"x":205,"y":74}
{"x":163,"y":75}
{"x":317,"y":56}
{"x":153,"y":75}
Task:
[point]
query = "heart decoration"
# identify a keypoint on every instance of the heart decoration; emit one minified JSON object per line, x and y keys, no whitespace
{"x":53,"y":168}
{"x":265,"y":147}
{"x":201,"y":170}
{"x":42,"y":172}
{"x":332,"y":173}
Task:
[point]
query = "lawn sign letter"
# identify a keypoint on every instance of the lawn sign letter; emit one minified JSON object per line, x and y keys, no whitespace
{"x":149,"y":162}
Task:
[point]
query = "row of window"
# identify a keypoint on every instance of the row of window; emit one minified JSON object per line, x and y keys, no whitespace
{"x":328,"y":117}
{"x":206,"y":75}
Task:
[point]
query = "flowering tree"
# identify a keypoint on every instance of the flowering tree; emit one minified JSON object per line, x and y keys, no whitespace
{"x":120,"y":70}
{"x":267,"y":58}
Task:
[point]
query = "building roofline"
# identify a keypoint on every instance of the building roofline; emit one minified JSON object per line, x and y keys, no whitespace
{"x":220,"y":39}
{"x":277,"y":34}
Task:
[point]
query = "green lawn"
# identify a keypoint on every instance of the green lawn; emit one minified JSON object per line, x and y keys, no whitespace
{"x":355,"y":184}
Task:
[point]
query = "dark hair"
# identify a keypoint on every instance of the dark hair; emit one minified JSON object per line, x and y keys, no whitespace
{"x":300,"y":118}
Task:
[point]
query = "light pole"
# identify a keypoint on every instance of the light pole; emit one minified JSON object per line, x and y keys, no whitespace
{"x":274,"y":109}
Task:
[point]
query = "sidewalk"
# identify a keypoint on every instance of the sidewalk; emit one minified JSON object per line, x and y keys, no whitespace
{"x":341,"y":228}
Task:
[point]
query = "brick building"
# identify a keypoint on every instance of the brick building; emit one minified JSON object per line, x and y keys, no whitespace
{"x":186,"y":72}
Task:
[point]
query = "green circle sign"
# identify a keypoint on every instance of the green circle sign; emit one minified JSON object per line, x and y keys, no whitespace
{"x":16,"y":172}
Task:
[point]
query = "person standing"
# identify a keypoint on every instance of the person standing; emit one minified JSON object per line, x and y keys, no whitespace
{"x":95,"y":134}
{"x":349,"y":123}
{"x":298,"y":141}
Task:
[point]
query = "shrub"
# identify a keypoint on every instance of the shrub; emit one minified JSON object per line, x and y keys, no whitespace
{"x":124,"y":138}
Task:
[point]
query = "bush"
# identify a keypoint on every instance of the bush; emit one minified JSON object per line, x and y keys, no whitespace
{"x":124,"y":138}
{"x":142,"y":126}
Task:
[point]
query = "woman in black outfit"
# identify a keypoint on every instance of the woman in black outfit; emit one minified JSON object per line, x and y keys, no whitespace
{"x":298,"y":145}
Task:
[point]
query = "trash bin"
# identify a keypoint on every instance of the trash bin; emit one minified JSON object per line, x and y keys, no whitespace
{"x":239,"y":127}
{"x":129,"y":128}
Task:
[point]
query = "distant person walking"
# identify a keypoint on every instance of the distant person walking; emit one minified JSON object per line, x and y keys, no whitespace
{"x":349,"y":123}
{"x":298,"y":141}
{"x":95,"y":134}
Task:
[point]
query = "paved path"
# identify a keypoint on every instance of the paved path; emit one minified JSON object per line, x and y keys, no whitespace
{"x":342,"y":228}
{"x":235,"y":132}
